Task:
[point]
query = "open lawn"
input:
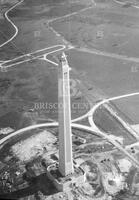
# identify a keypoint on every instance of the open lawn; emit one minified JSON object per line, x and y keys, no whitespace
{"x":6,"y":31}
{"x":34,"y":35}
{"x":33,"y":86}
{"x":110,"y":125}
{"x":110,"y":77}
{"x":45,"y":10}
{"x":31,"y":19}
{"x":130,"y":107}
{"x":111,"y":28}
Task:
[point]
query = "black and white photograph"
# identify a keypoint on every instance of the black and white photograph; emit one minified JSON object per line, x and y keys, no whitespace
{"x":69,"y":99}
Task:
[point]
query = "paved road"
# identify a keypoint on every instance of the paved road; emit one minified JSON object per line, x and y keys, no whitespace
{"x":93,"y":128}
{"x":124,"y":3}
{"x":110,"y":55}
{"x":39,"y":53}
{"x":33,"y":56}
{"x":11,"y":22}
{"x":90,"y":116}
{"x":45,"y":125}
{"x":45,"y":52}
{"x":113,"y":141}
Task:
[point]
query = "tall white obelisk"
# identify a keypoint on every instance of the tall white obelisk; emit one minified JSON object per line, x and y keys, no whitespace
{"x":65,"y":133}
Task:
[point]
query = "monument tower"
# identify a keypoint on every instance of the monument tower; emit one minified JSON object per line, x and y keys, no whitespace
{"x":65,"y":134}
{"x":63,"y":174}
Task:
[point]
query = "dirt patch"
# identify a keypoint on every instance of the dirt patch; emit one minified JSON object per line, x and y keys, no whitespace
{"x":34,"y":146}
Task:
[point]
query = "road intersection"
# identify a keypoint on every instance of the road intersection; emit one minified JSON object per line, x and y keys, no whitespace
{"x":42,"y":54}
{"x":34,"y":56}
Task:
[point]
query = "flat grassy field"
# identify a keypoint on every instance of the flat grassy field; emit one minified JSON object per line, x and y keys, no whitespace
{"x":45,"y":9}
{"x":34,"y":35}
{"x":31,"y":19}
{"x":109,"y":77}
{"x":6,"y":31}
{"x":29,"y":86}
{"x":108,"y":27}
{"x":111,"y":28}
{"x":130,"y":107}
{"x":112,"y":77}
{"x":33,"y":82}
{"x":107,"y":123}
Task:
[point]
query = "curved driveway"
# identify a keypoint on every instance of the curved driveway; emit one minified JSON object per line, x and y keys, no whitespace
{"x":11,"y":22}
